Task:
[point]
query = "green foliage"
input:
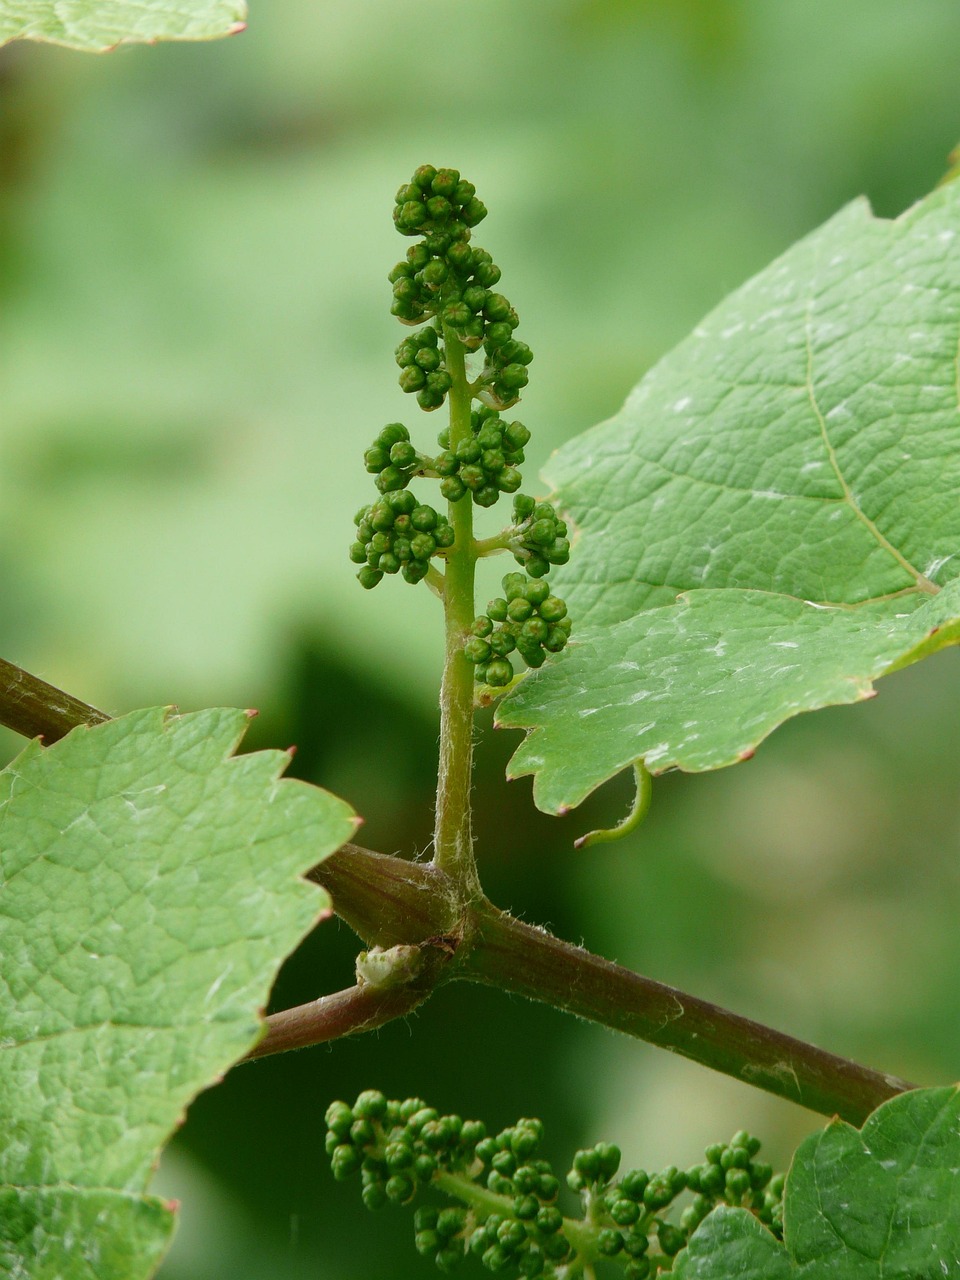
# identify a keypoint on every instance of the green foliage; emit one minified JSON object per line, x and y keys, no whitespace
{"x":771,"y":521}
{"x":859,"y":1205}
{"x":150,"y":888}
{"x":511,"y":1221}
{"x":98,"y":25}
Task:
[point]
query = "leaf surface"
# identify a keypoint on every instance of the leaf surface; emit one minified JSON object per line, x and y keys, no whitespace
{"x":771,"y":522}
{"x":98,"y":25}
{"x":149,"y":888}
{"x":881,"y":1203}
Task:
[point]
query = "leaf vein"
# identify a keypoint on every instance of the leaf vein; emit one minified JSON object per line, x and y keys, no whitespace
{"x":922,"y":583}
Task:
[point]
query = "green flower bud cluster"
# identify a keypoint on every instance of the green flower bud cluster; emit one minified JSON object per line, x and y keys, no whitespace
{"x":398,"y":535}
{"x":527,"y":619}
{"x":443,"y":277}
{"x":486,"y":464}
{"x":422,"y":369}
{"x":510,"y":1220}
{"x":731,"y":1175}
{"x":393,"y":459}
{"x":539,"y":538}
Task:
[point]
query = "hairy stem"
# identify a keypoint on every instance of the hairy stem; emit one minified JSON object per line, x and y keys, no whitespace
{"x":343,"y":1013}
{"x":36,"y":709}
{"x":389,"y":901}
{"x":517,"y":957}
{"x":453,"y":834}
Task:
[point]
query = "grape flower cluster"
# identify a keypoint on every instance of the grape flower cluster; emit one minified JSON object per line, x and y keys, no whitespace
{"x":444,"y":289}
{"x":508,"y":1216}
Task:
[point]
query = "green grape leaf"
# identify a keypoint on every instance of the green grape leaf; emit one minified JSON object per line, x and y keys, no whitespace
{"x":879,"y":1203}
{"x":771,"y":522}
{"x":98,"y":25}
{"x":149,"y":889}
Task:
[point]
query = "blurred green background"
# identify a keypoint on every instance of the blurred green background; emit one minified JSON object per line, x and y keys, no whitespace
{"x":194,"y":242}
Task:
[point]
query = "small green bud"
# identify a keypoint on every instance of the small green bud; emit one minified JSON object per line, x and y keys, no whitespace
{"x":549,"y":1187}
{"x":624,"y":1212}
{"x":609,"y":1242}
{"x":339,"y":1117}
{"x":422,"y":546}
{"x":428,"y":359}
{"x":496,"y":1258}
{"x":555,"y":640}
{"x":499,"y":1183}
{"x":496,"y":308}
{"x":526,"y":1208}
{"x":368,"y":577}
{"x":398,"y":1156}
{"x":634,"y":1184}
{"x":487,"y":274}
{"x":552,"y":609}
{"x":499,"y":672}
{"x":737,"y":1184}
{"x":345,"y":1161}
{"x":460,"y":256}
{"x":671,"y":1238}
{"x":638,"y":1270}
{"x":502,"y":643}
{"x":403,"y":454}
{"x":451,"y":1222}
{"x":511,"y":1235}
{"x":476,"y":650}
{"x":373,"y":1195}
{"x":415,"y":571}
{"x":425,"y":1218}
{"x":370,"y":1105}
{"x":400,"y":1189}
{"x":549,"y":1220}
{"x":635,"y":1243}
{"x":426,"y":1242}
{"x":452,"y":488}
{"x":391,"y":478}
{"x":412,"y":378}
{"x":445,"y":182}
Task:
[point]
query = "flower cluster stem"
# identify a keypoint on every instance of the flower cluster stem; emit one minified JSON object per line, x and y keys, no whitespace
{"x":453,"y":833}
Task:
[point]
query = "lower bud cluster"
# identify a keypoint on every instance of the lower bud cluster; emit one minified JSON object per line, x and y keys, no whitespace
{"x":528,"y":619}
{"x":509,"y":1219}
{"x":398,"y":535}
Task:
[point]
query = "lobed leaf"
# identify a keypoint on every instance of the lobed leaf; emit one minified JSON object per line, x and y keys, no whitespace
{"x":859,"y":1204}
{"x":149,"y":889}
{"x":99,"y":25}
{"x":771,"y":521}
